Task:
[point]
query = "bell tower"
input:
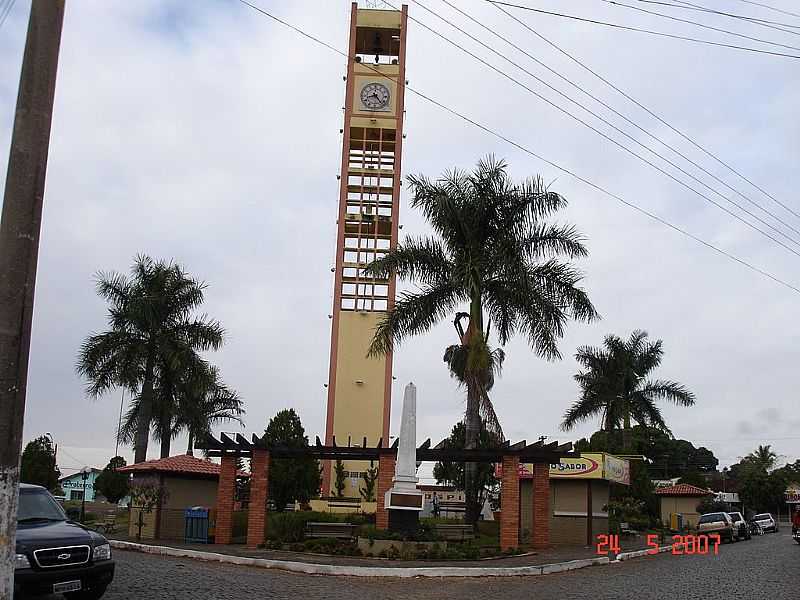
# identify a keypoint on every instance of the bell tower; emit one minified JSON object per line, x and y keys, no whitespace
{"x":360,"y":388}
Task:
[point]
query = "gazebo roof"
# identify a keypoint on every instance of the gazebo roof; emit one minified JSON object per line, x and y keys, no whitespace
{"x":182,"y":464}
{"x":538,"y":452}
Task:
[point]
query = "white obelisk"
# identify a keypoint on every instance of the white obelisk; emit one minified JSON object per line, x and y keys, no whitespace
{"x":404,"y":495}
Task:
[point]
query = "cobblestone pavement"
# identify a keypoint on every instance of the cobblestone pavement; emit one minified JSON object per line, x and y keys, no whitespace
{"x":765,"y":567}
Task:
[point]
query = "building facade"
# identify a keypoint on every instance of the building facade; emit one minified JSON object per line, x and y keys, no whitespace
{"x":359,"y":386}
{"x":73,"y":487}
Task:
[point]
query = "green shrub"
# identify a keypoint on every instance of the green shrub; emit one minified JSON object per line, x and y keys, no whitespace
{"x":290,"y":527}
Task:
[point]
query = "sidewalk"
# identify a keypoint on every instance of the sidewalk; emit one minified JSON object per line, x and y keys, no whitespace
{"x":534,"y":563}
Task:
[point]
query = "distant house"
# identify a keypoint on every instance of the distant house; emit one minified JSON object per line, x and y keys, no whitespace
{"x":187,"y":481}
{"x":681,"y":499}
{"x":73,"y":487}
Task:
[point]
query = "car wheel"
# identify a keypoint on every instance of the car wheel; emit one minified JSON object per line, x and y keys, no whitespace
{"x":92,"y":594}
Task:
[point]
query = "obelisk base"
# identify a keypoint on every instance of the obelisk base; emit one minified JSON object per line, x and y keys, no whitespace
{"x":404,"y":522}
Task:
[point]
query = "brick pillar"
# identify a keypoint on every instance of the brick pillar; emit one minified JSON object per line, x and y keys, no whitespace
{"x":259,"y":493}
{"x":225,"y":493}
{"x":509,"y":503}
{"x":386,"y":464}
{"x":541,"y":506}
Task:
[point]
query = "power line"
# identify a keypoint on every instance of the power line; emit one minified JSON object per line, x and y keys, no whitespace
{"x":612,"y":140}
{"x":648,"y":31}
{"x":596,"y":99}
{"x":526,"y":150}
{"x":4,"y":12}
{"x":643,"y":107}
{"x":755,"y":21}
{"x":772,"y":8}
{"x":696,"y":24}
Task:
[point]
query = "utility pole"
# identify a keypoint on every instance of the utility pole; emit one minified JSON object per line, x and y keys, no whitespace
{"x":19,"y":251}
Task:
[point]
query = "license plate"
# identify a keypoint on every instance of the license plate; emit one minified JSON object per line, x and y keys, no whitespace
{"x":67,"y":586}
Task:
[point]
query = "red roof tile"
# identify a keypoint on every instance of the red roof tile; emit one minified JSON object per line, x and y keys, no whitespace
{"x":180,"y":464}
{"x":683,"y":489}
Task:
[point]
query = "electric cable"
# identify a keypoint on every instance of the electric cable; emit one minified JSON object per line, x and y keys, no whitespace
{"x":643,"y":107}
{"x":530,"y":152}
{"x":648,"y":31}
{"x":596,"y":99}
{"x":776,"y":25}
{"x":696,"y":24}
{"x":617,"y":143}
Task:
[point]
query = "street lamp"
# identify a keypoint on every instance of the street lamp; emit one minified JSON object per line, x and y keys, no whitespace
{"x":49,"y":436}
{"x":85,"y":471}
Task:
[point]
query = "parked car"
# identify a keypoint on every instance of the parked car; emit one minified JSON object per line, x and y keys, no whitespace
{"x":718,"y":523}
{"x":767,"y":522}
{"x":55,"y":555}
{"x":738,"y":521}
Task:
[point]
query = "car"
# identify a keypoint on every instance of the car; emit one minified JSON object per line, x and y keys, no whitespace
{"x":738,"y":520}
{"x":767,"y":522}
{"x":55,"y":555}
{"x":719,"y":523}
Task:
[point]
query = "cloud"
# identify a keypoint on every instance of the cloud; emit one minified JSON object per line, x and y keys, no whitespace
{"x":210,"y":136}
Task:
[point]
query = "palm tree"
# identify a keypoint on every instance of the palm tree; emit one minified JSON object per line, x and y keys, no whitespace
{"x":494,"y":251}
{"x":151,"y":323}
{"x":197,"y":400}
{"x":763,"y":457}
{"x":614,"y":386}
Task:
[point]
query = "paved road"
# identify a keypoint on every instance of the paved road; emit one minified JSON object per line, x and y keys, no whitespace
{"x":765,"y":567}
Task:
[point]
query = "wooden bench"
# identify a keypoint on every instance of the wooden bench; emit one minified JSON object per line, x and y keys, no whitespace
{"x":331,"y":530}
{"x":108,"y":525}
{"x":454,"y":533}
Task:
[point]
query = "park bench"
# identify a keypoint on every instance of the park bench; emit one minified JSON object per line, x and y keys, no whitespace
{"x":454,"y":533}
{"x":108,"y":524}
{"x":331,"y":530}
{"x":626,"y":531}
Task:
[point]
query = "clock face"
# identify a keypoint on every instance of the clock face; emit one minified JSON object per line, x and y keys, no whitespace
{"x":375,"y":96}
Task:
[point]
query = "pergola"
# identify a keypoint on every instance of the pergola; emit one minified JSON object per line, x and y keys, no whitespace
{"x":260,"y":453}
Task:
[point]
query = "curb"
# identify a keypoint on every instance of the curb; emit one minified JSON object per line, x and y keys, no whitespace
{"x":637,"y":553}
{"x":356,"y":571}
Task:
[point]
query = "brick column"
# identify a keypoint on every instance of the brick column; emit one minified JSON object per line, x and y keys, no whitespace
{"x":225,"y":493}
{"x":386,"y":464}
{"x":541,"y":506}
{"x":259,"y":493}
{"x":509,"y":503}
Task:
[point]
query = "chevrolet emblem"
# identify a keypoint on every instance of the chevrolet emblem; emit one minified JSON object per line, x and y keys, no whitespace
{"x":64,"y":556}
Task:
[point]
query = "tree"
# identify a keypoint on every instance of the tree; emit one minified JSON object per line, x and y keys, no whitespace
{"x":197,"y":400}
{"x":454,"y":473}
{"x":694,"y":478}
{"x":111,"y":483}
{"x":764,"y":457}
{"x":290,"y":479}
{"x":614,"y":387}
{"x":152,"y":328}
{"x":38,"y":465}
{"x":494,"y":251}
{"x":339,"y":477}
{"x":370,"y":477}
{"x":709,"y":505}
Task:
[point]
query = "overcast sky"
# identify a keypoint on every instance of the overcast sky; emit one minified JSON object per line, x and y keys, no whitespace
{"x":206,"y":133}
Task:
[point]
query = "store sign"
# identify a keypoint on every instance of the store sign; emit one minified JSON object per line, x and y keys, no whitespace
{"x":616,"y":469}
{"x":588,"y":466}
{"x":792,"y":496}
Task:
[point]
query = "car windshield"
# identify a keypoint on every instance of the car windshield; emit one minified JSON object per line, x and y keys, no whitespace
{"x":762,"y":517}
{"x":712,"y":518}
{"x":736,"y":517}
{"x":39,"y":506}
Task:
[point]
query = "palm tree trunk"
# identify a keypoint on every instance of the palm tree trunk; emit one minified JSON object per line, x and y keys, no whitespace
{"x":626,"y":429}
{"x":166,"y":435}
{"x":472,"y":431}
{"x":145,"y":412}
{"x":190,"y":446}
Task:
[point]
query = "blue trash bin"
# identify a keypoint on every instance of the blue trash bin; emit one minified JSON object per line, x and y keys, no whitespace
{"x":196,"y":525}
